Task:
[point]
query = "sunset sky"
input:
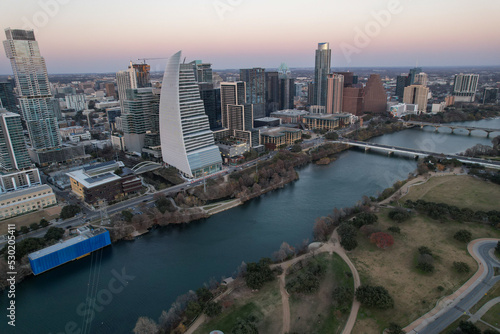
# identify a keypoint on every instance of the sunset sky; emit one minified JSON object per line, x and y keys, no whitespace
{"x":80,"y":36}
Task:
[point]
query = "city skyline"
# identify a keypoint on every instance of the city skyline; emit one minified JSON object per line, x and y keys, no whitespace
{"x":96,"y":37}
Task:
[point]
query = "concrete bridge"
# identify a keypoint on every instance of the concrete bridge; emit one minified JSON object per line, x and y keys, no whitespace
{"x":418,"y":153}
{"x":451,"y":126}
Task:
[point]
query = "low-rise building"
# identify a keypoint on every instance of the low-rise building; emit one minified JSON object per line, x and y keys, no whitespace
{"x":327,"y":121}
{"x":401,"y":109}
{"x":290,"y":116}
{"x":279,"y":136}
{"x":16,"y":180}
{"x":108,"y":181}
{"x":26,"y":200}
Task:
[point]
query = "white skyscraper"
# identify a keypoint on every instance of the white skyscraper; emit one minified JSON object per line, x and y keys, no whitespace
{"x":33,"y":88}
{"x":187,"y":142}
{"x":465,"y":87}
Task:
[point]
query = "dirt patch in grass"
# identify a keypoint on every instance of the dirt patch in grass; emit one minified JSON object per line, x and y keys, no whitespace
{"x":415,"y":293}
{"x":264,"y":304}
{"x":30,"y":218}
{"x":365,"y":326}
{"x":316,"y":312}
{"x":460,"y":190}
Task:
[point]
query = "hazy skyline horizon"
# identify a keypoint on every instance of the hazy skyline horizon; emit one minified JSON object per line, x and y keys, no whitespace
{"x":95,"y":37}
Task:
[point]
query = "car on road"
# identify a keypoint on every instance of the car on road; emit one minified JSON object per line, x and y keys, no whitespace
{"x":144,"y":201}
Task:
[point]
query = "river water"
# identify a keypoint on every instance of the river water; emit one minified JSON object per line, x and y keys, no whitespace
{"x":143,"y":277}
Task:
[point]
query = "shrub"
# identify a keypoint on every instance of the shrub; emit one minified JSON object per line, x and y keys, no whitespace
{"x":374,"y":296}
{"x":258,"y":273}
{"x":399,"y":215}
{"x":342,"y":295}
{"x":463,"y":236}
{"x":213,"y":309}
{"x":461,"y":267}
{"x":347,"y":234}
{"x":382,"y":240}
{"x":308,"y":279}
{"x":54,"y":233}
{"x":425,"y":263}
{"x":69,"y":211}
{"x":395,"y":329}
{"x":368,"y":230}
{"x":394,"y":229}
{"x":424,"y":250}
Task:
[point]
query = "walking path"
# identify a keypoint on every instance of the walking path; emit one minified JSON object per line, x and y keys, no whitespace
{"x":450,"y":301}
{"x":485,"y":308}
{"x":331,"y":246}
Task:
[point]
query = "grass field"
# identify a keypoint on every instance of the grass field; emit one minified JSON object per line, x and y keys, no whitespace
{"x":462,"y":191}
{"x":315,"y":313}
{"x":28,"y":219}
{"x":264,"y":304}
{"x":414,"y":293}
{"x":493,"y":316}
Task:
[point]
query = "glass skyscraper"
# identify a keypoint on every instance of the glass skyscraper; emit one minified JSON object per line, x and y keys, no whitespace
{"x":13,"y":151}
{"x":187,"y":142}
{"x":321,"y":71}
{"x":33,"y":88}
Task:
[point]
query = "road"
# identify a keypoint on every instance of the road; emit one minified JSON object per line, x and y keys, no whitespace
{"x":466,"y":297}
{"x":90,"y":215}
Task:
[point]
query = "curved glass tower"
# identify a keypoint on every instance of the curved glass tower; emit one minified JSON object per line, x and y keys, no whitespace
{"x":187,"y":143}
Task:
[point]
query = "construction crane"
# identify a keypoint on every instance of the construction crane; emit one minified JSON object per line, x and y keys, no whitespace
{"x":144,"y":59}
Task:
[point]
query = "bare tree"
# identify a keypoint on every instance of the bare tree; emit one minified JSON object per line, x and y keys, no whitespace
{"x":145,"y":325}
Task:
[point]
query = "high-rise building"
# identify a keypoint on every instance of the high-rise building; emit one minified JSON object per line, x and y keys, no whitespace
{"x":310,"y":93}
{"x":255,"y":79}
{"x":352,"y":100}
{"x":13,"y":151}
{"x":417,"y":94}
{"x":33,"y":87}
{"x":374,"y":96}
{"x":141,"y":115}
{"x":490,"y":95}
{"x":411,"y":75}
{"x":211,"y":101}
{"x":142,"y":72}
{"x":321,"y":71}
{"x":187,"y":142}
{"x":231,"y":93}
{"x":76,"y":102}
{"x":349,"y":78}
{"x":7,"y":97}
{"x":335,"y":91}
{"x":203,"y":71}
{"x":136,"y":76}
{"x":465,"y":87}
{"x":401,"y":83}
{"x":421,"y":79}
{"x":110,"y":89}
{"x":287,"y":93}
{"x":272,"y":92}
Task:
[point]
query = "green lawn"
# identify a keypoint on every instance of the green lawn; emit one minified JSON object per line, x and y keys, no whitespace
{"x":265,"y":305}
{"x":493,"y":316}
{"x":461,"y":191}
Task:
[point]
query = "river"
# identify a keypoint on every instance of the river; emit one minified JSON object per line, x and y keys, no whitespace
{"x":143,"y":277}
